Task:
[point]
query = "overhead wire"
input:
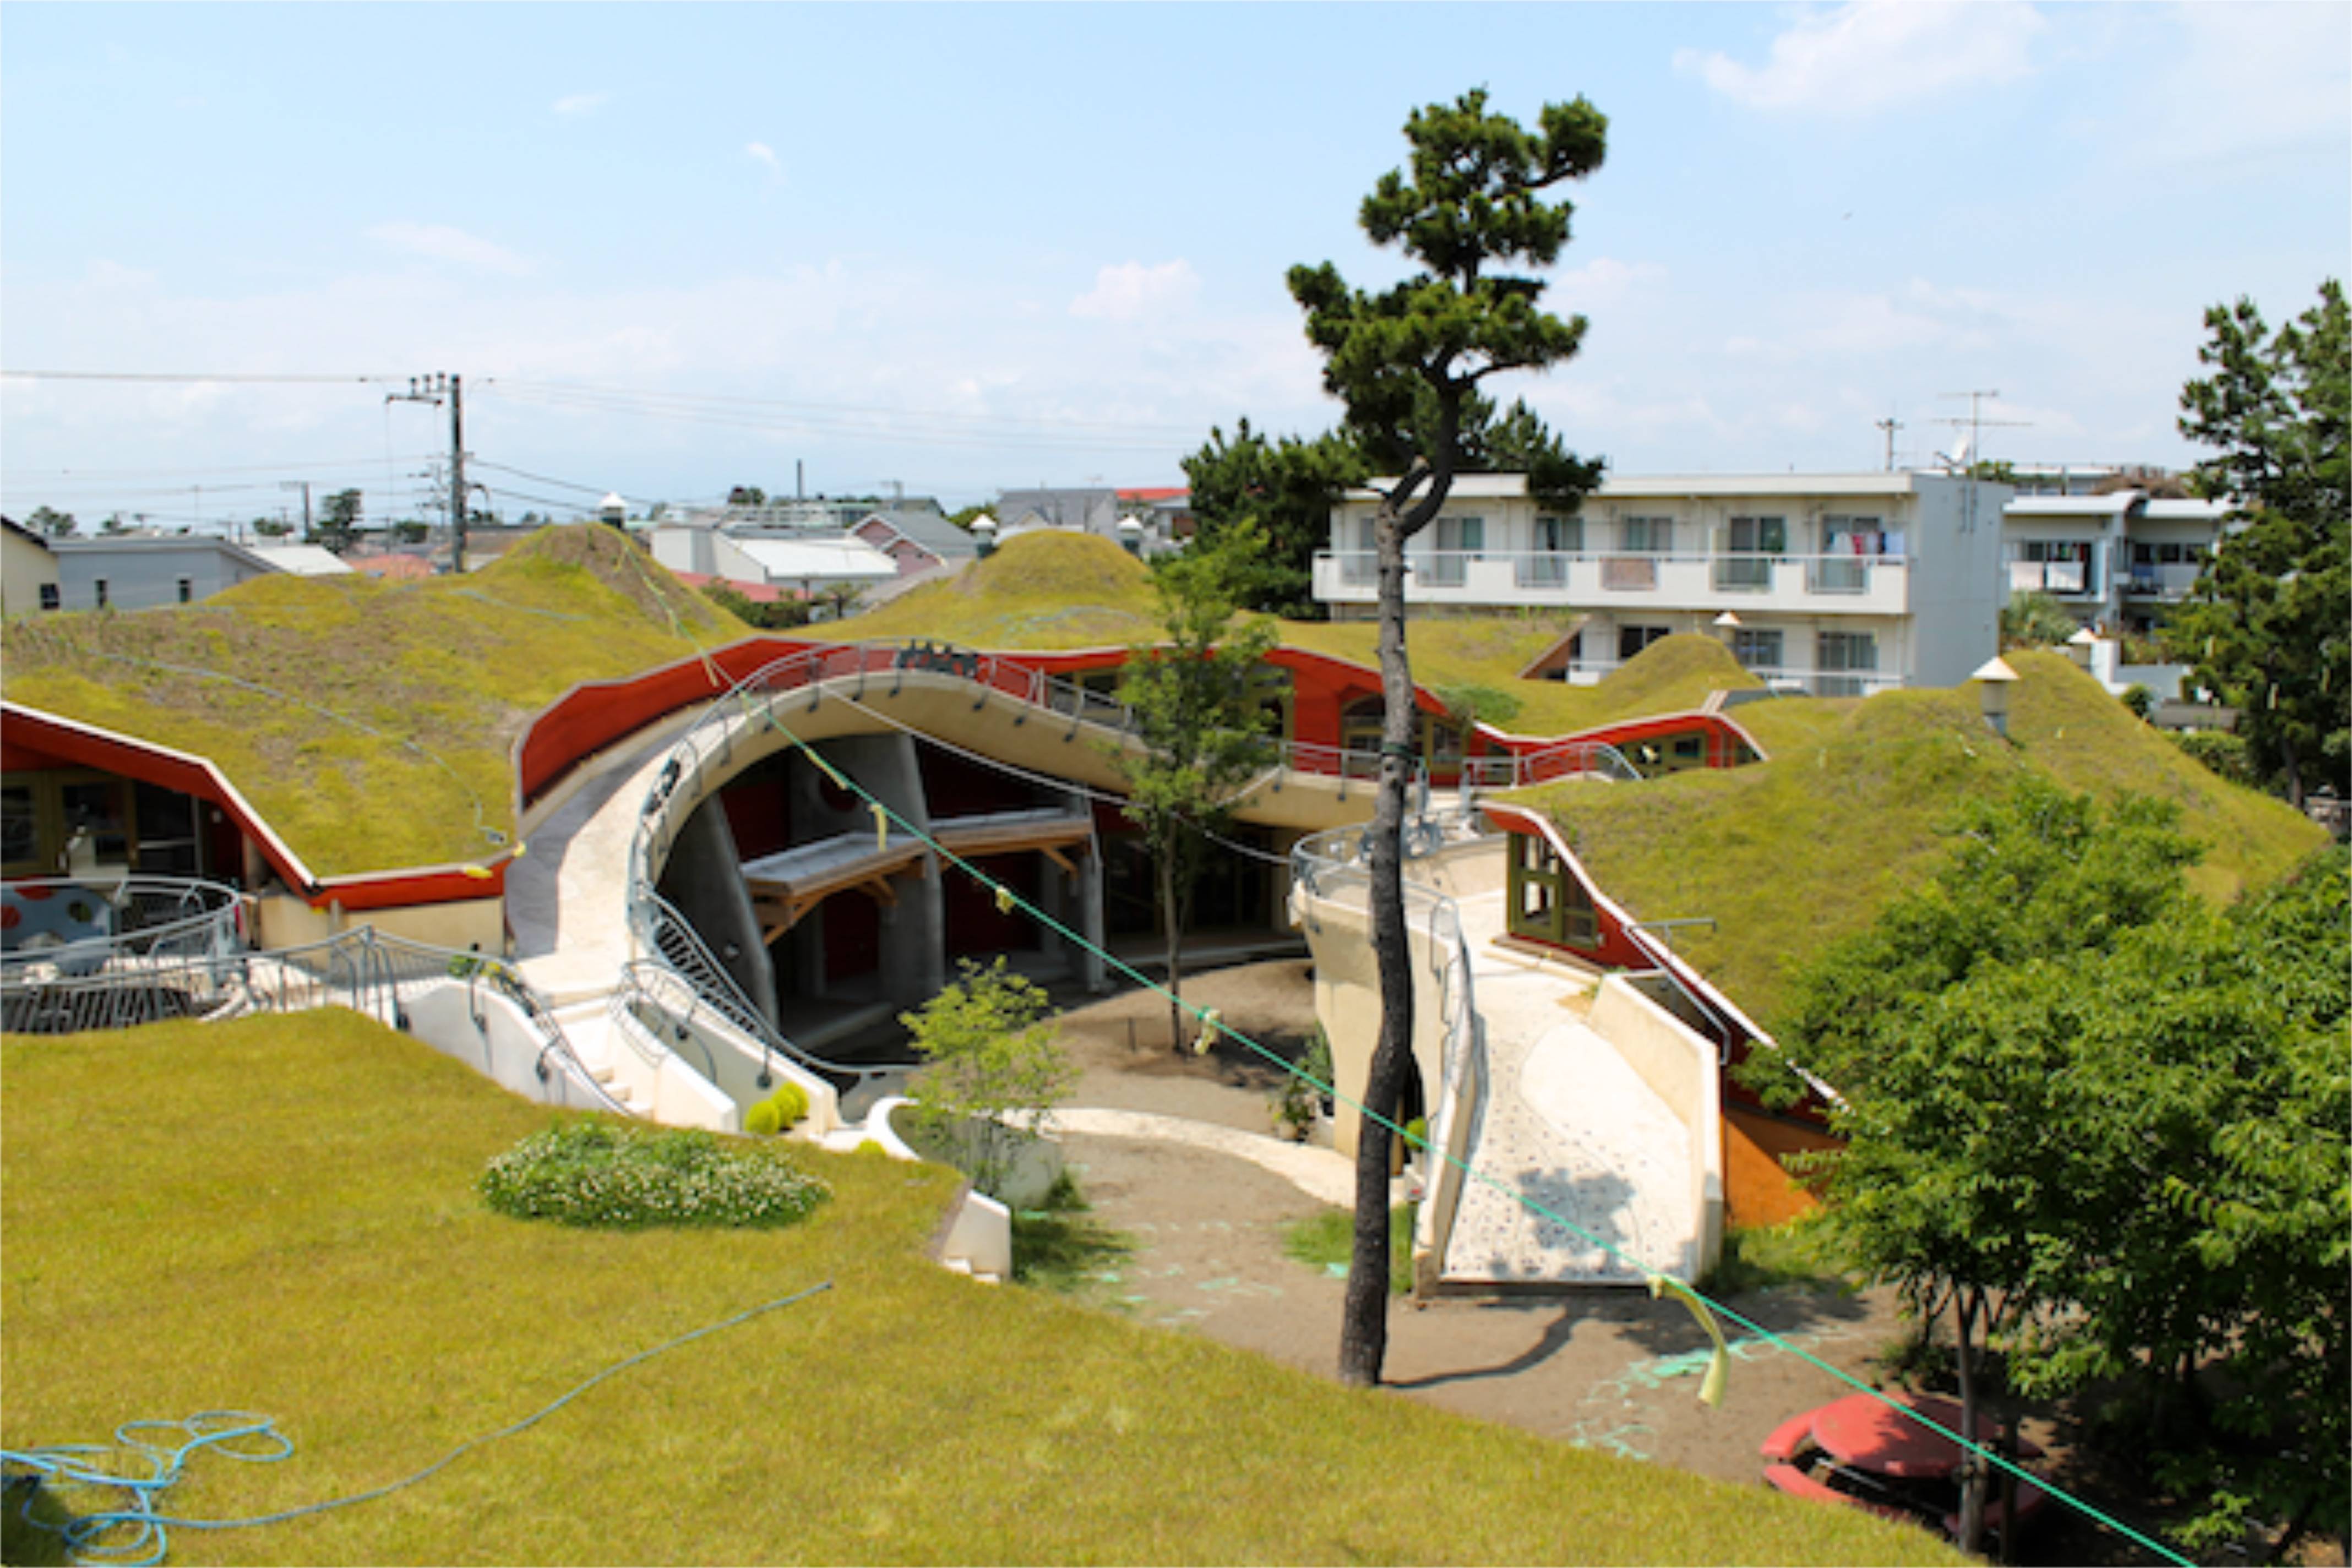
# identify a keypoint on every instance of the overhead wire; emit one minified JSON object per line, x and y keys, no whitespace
{"x":1007,"y":898}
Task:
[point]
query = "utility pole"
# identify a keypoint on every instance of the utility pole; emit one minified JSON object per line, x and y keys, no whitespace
{"x":432,"y":389}
{"x":1890,"y":425}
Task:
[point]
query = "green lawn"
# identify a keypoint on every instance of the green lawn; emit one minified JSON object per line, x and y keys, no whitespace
{"x":279,"y":1215}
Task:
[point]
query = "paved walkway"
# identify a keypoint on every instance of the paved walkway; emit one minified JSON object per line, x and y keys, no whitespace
{"x":1321,"y":1174}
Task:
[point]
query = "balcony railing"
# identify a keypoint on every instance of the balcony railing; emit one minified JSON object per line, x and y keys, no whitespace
{"x":2052,"y":577}
{"x":1858,"y":585}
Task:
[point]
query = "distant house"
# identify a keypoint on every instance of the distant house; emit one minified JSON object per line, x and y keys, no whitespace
{"x":303,"y":559}
{"x":140,"y":571}
{"x":803,"y":564}
{"x":29,"y":571}
{"x":917,"y":541}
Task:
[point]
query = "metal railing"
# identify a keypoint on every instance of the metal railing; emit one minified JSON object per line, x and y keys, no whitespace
{"x":361,"y":970}
{"x":76,"y":927}
{"x":682,"y":968}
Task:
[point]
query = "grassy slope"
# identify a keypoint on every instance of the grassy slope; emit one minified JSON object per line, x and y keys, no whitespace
{"x":291,"y":1229}
{"x":1790,"y":854}
{"x":423,"y":685}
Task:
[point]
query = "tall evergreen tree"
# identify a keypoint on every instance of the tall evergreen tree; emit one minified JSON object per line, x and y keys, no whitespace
{"x":2265,"y":627}
{"x":1406,"y":363}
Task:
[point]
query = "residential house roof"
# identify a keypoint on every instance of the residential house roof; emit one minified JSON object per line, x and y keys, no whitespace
{"x":833,"y":560}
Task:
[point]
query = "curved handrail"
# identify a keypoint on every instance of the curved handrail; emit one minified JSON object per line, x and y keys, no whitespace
{"x":679,"y":951}
{"x":146,"y":917}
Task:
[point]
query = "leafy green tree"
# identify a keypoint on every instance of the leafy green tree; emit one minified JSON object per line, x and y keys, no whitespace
{"x":2035,"y":620}
{"x":2204,"y":1166}
{"x":1406,"y":362}
{"x":1936,"y":1027}
{"x":1286,"y":487}
{"x":55,"y":524}
{"x":115,"y":524}
{"x":995,"y":1070}
{"x":1202,"y":724}
{"x":339,"y":521}
{"x":2265,"y":627}
{"x":411,"y":532}
{"x":272,"y":527}
{"x":2103,"y":1128}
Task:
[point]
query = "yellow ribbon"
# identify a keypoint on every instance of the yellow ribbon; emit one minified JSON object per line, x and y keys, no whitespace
{"x":1003,"y":900}
{"x":1710,"y":1388}
{"x":881,"y":826}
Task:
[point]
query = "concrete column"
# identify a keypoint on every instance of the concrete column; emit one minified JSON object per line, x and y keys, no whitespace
{"x":1090,"y":919}
{"x":704,"y":879}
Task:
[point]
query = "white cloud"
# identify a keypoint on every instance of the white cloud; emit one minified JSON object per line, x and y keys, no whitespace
{"x":579,"y":104}
{"x":1873,"y":54}
{"x":2249,"y":78}
{"x":1131,"y":291}
{"x":439,"y":242}
{"x":761,"y":152}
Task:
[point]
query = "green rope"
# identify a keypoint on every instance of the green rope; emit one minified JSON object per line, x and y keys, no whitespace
{"x":1688,"y":1292}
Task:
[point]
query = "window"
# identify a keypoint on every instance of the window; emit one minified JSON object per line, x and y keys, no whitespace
{"x":1751,"y":543}
{"x":1362,"y":565}
{"x":1631,"y":641}
{"x":1548,"y":903}
{"x":49,"y":596}
{"x":1554,"y":538}
{"x":1756,"y":647}
{"x":1848,"y":546}
{"x":97,"y":593}
{"x":187,"y":589}
{"x":1646,"y":535}
{"x":1838,"y":656}
{"x":1459,"y":541}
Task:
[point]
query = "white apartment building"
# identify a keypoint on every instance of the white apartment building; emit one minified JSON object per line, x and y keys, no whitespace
{"x":2118,"y":561}
{"x":1840,"y":585}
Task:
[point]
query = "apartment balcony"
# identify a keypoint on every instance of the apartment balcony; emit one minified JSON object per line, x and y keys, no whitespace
{"x":2059,"y":579}
{"x":1708,"y":584}
{"x":2164,"y":584}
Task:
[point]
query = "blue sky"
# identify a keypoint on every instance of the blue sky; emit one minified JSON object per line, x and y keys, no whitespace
{"x":676,"y":247}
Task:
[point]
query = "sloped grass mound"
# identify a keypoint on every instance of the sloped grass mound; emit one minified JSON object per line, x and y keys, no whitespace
{"x":1043,"y":591}
{"x":626,"y":1178}
{"x":370,"y":723}
{"x":293,"y":1229}
{"x":1788,"y":855}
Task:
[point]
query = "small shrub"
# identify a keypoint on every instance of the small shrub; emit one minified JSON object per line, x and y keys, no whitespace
{"x":791,"y":1104}
{"x":596,"y":1174}
{"x":2138,"y":698}
{"x":760,"y":1119}
{"x":995,"y":1071}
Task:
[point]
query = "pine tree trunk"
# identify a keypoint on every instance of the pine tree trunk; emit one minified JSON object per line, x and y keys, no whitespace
{"x":1363,"y":1336}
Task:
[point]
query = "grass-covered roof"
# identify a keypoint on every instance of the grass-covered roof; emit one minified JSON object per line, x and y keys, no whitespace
{"x":1791,"y":854}
{"x":370,"y":722}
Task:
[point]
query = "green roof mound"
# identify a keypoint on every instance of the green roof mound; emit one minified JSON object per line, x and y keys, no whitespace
{"x":370,"y":723}
{"x":1790,"y":854}
{"x":1045,"y":591}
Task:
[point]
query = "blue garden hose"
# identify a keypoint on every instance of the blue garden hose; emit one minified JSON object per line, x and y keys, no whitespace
{"x":134,"y":1535}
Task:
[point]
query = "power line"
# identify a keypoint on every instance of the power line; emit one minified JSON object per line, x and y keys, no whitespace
{"x":723,"y":400}
{"x":181,"y":376}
